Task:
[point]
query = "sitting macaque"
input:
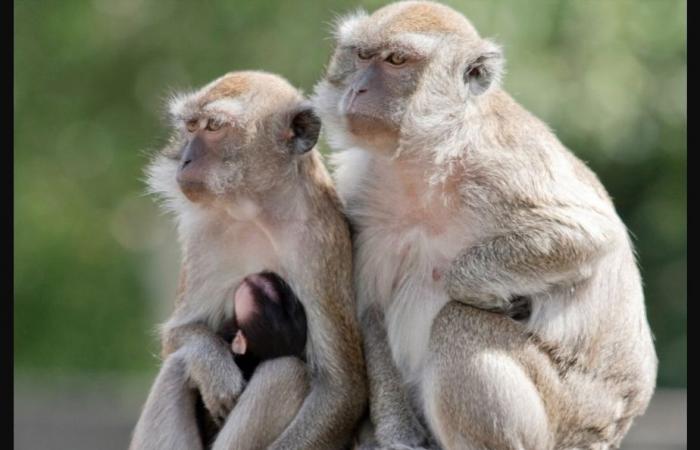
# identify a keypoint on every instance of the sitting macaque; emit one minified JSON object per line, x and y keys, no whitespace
{"x":268,"y":322}
{"x":250,"y":193}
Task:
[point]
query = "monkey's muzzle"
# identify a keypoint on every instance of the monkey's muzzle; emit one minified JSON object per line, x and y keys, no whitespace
{"x":196,"y":161}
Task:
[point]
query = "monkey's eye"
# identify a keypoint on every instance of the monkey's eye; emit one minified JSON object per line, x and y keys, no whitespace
{"x":214,"y":125}
{"x":396,"y":59}
{"x":192,"y":125}
{"x":364,"y":54}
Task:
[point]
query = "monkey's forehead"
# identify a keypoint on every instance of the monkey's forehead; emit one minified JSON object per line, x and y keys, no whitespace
{"x":403,"y":18}
{"x":236,"y":94}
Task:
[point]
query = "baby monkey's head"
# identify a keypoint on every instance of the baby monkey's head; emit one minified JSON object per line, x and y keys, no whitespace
{"x":269,"y":318}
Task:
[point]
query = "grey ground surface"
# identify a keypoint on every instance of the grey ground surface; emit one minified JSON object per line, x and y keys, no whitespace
{"x":100,"y":413}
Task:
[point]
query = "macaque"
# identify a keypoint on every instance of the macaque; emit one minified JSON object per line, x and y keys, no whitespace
{"x":250,"y":194}
{"x":498,"y":291}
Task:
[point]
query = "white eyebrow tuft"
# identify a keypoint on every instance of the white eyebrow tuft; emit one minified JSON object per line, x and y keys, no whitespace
{"x":178,"y":105}
{"x":225,"y":106}
{"x":420,"y":42}
{"x":346,"y":25}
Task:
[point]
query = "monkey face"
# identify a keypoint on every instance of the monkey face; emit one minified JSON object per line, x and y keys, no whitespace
{"x":271,"y":320}
{"x":392,"y":70}
{"x":374,"y":94}
{"x":375,"y":70}
{"x":367,"y":90}
{"x":237,"y":137}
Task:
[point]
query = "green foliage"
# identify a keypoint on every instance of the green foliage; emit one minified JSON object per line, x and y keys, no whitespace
{"x":91,"y":79}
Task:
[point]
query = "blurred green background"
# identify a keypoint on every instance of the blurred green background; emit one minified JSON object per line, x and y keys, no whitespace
{"x":95,"y":260}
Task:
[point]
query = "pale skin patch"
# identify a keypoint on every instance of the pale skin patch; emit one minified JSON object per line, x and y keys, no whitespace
{"x":244,"y":302}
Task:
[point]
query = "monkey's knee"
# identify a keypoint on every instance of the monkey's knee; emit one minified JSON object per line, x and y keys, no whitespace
{"x":486,"y":402}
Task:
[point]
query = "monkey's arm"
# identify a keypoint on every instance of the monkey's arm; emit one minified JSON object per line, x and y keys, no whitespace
{"x":541,"y":248}
{"x":168,"y":417}
{"x":392,"y":417}
{"x":330,"y":411}
{"x":338,"y":387}
{"x":209,"y":365}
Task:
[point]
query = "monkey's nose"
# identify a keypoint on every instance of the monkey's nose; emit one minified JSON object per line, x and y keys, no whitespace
{"x":185,"y":162}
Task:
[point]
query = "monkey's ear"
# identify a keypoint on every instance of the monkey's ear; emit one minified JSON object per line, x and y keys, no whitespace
{"x":304,"y":130}
{"x":239,"y":345}
{"x":485,"y":69}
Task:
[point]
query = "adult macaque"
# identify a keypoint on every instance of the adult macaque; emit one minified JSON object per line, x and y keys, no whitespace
{"x":470,"y":214}
{"x":251,"y":194}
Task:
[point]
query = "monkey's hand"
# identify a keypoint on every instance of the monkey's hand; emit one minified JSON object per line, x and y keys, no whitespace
{"x":517,"y":307}
{"x":219,"y":382}
{"x":210,"y":367}
{"x":463,"y":286}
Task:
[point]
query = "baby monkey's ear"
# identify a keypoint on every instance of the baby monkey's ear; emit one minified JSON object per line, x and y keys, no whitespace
{"x":239,"y":345}
{"x":304,"y":128}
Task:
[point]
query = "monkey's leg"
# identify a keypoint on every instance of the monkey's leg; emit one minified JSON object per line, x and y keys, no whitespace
{"x":476,"y":393}
{"x":268,"y":404}
{"x":168,"y":418}
{"x":390,"y":410}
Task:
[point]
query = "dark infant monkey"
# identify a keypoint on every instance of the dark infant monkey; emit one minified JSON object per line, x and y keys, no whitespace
{"x":269,"y":321}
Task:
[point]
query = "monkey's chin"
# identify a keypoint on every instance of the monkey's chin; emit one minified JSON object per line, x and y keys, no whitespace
{"x":372,"y":133}
{"x":363,"y":124}
{"x":196,"y":192}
